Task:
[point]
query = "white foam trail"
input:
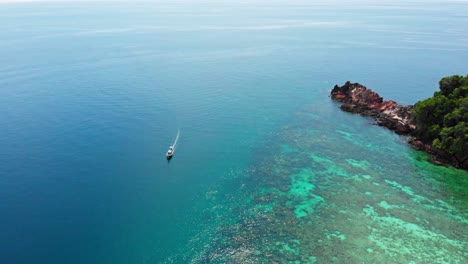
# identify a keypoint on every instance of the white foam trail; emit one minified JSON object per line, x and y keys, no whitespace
{"x":175,"y":142}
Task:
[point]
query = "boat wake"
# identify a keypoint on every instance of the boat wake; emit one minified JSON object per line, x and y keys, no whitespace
{"x":171,"y":150}
{"x":176,"y":139}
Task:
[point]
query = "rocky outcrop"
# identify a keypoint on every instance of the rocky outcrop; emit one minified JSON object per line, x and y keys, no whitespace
{"x":358,"y":99}
{"x":436,"y":156}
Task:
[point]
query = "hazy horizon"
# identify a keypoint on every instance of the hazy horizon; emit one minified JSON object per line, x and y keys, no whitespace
{"x":324,"y":2}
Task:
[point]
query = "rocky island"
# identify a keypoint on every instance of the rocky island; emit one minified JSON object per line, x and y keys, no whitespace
{"x":357,"y":98}
{"x":438,"y":125}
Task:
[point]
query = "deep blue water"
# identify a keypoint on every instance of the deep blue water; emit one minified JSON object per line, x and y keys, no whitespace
{"x":92,"y":95}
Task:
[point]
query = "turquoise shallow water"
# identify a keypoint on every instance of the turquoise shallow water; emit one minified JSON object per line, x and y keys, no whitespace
{"x":267,"y":168}
{"x":308,"y":200}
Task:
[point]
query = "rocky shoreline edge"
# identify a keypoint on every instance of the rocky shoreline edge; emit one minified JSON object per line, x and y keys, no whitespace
{"x":357,"y":99}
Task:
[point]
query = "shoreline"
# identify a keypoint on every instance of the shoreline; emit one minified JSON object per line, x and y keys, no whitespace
{"x":358,"y":99}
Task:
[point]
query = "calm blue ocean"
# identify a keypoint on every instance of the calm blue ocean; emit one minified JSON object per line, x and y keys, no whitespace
{"x":267,"y":168}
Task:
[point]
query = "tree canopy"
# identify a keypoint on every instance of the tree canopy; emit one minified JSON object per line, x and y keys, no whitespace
{"x":443,"y":119}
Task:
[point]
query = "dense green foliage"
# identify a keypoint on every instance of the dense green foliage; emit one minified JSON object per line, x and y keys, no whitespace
{"x":443,"y":118}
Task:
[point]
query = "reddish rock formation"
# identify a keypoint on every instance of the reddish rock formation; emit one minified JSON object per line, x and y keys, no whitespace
{"x":357,"y":98}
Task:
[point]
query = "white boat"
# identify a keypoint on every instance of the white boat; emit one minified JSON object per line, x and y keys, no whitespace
{"x":170,"y":152}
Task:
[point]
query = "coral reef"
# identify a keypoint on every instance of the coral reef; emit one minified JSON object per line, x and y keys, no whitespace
{"x":305,"y":200}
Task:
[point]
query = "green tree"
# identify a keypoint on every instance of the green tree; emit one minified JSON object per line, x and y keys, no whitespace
{"x":454,"y":140}
{"x":460,"y":92}
{"x":443,"y":118}
{"x":448,"y":84}
{"x":430,"y":115}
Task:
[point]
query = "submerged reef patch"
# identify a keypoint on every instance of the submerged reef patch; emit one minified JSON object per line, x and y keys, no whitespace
{"x":309,"y":200}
